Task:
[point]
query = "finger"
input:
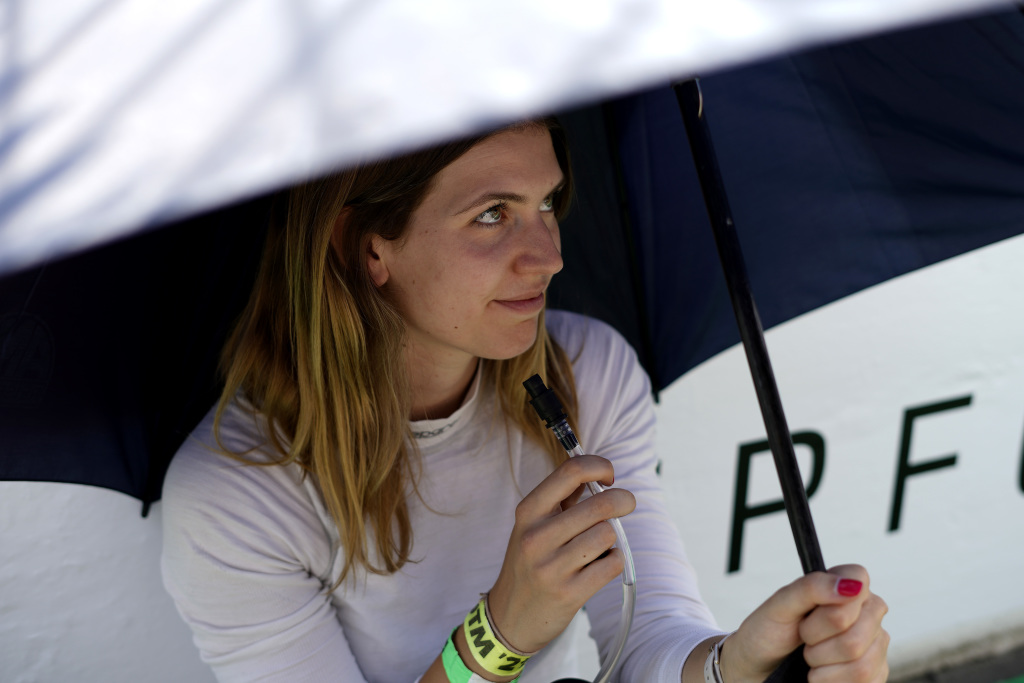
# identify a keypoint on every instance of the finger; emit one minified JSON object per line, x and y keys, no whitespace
{"x":850,"y":643}
{"x":586,"y":547}
{"x":553,"y":533}
{"x":609,"y":504}
{"x":792,"y":603}
{"x":829,"y":621}
{"x":573,"y":498}
{"x":561,"y":484}
{"x":598,"y":573}
{"x":871,"y":667}
{"x":852,"y":571}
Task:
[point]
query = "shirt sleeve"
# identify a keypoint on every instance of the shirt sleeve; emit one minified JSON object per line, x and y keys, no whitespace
{"x":617,"y":422}
{"x":242,"y":550}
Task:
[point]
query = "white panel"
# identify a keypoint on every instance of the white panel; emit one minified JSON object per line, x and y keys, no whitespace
{"x":951,"y":572}
{"x":81,"y":597}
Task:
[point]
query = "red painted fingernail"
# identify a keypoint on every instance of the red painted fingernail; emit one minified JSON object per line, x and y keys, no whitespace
{"x":848,"y":587}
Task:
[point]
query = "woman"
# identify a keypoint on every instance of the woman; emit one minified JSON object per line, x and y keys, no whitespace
{"x":385,"y":469}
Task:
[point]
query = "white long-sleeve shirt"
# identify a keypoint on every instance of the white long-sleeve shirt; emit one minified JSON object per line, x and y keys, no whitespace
{"x":250,"y":551}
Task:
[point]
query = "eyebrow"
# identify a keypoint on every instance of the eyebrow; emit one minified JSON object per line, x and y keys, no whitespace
{"x":502,"y":197}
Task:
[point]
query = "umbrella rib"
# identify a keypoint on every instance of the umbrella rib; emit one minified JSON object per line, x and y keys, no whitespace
{"x":647,"y":357}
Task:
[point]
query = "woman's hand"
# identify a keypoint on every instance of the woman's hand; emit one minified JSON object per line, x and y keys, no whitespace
{"x":836,"y":617}
{"x":553,"y":563}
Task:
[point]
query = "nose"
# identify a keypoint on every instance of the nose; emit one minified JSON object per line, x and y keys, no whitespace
{"x":542,"y":246}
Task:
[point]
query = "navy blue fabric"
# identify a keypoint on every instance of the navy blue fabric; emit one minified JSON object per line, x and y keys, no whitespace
{"x":108,"y":359}
{"x":69,"y":400}
{"x":845,"y":167}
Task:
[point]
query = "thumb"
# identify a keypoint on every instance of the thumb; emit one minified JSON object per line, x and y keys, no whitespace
{"x":791,"y":603}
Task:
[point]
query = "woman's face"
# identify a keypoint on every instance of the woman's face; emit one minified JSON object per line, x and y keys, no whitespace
{"x":470,"y":272}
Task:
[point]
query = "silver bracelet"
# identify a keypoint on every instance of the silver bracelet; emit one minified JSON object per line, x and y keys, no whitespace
{"x":713,"y":664}
{"x":497,"y":634}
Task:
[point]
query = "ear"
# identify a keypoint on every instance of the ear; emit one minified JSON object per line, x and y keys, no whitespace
{"x":338,"y":235}
{"x":378,"y":269}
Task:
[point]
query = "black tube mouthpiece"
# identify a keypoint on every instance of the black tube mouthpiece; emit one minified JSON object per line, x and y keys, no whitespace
{"x":544,"y":401}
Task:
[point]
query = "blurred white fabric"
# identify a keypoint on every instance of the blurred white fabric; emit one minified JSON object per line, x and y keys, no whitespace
{"x":121,"y":114}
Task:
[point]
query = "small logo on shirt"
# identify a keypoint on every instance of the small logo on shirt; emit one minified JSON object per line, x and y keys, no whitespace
{"x":433,"y":432}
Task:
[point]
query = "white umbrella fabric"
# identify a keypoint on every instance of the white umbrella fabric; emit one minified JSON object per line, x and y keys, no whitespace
{"x":120,"y":115}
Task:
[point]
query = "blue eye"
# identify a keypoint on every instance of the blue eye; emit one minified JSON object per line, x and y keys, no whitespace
{"x":491,"y":215}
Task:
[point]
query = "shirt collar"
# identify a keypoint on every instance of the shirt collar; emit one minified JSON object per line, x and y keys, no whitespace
{"x":433,"y":431}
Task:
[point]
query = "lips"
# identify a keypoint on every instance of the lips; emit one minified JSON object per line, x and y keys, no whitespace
{"x":527,"y":304}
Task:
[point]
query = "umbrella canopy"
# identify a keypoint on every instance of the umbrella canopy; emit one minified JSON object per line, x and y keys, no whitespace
{"x":122,"y":115}
{"x":845,"y":166}
{"x":119,"y":428}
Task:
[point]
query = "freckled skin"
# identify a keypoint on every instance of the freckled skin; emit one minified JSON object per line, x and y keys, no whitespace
{"x":449,"y":273}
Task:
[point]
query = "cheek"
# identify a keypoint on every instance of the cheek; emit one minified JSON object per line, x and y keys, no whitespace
{"x":477,"y":268}
{"x":451,"y":289}
{"x":454,"y":282}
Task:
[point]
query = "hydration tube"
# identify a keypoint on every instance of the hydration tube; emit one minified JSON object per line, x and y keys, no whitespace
{"x":549,"y":408}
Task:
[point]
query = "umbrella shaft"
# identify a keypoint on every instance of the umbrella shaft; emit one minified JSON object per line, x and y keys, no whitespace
{"x":793,"y":493}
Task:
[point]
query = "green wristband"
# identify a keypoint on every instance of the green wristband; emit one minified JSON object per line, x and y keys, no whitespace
{"x":455,"y":668}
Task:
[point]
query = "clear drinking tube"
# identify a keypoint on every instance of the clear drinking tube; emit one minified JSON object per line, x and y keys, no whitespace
{"x":549,"y":408}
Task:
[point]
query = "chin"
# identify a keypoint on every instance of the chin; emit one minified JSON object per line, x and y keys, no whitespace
{"x":510,"y":346}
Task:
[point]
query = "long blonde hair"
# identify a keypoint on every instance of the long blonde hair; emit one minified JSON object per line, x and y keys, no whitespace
{"x":318,"y":351}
